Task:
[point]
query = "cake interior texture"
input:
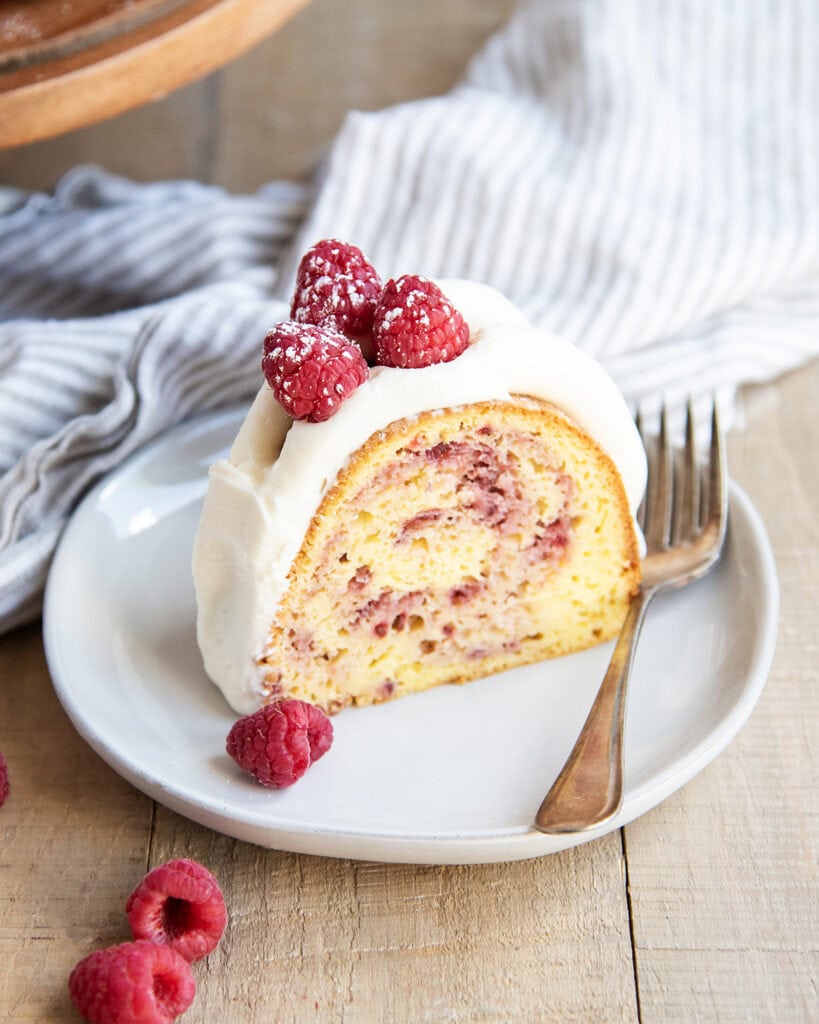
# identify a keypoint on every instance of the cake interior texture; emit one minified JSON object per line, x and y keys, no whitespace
{"x":455,"y":544}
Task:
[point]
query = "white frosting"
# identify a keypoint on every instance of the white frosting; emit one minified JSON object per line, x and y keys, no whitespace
{"x":260,"y":500}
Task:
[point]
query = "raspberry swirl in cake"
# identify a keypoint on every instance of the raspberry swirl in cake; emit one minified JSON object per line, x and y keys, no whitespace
{"x":465,"y":438}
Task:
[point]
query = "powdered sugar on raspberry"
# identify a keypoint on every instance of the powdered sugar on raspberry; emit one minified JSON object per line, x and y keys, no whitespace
{"x":336,"y":287}
{"x":416,"y":325}
{"x":311,"y":370}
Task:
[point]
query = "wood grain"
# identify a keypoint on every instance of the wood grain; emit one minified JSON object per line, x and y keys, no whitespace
{"x":74,"y":840}
{"x":167,"y":140}
{"x":272,"y":113}
{"x":37,"y":30}
{"x":124,"y":70}
{"x":723,"y":875}
{"x":313,"y":939}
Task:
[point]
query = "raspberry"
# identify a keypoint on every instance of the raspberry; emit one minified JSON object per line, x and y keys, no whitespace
{"x":416,"y":325}
{"x":134,"y":983}
{"x":311,"y":370}
{"x":179,"y":904}
{"x":4,"y":780}
{"x":336,"y":287}
{"x":279,"y":742}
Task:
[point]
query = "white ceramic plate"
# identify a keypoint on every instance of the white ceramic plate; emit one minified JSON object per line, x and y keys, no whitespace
{"x":449,"y":776}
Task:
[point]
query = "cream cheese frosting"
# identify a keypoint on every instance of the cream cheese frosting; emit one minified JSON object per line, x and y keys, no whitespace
{"x":261,"y":499}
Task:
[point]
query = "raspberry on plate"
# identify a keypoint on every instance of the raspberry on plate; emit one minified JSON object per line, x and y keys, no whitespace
{"x":336,"y":287}
{"x":133,"y":983}
{"x":4,"y":780}
{"x":179,"y":904}
{"x":416,"y":325}
{"x":311,"y":370}
{"x":279,"y":742}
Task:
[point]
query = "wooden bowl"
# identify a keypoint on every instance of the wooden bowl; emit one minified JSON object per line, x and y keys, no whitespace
{"x":69,"y":63}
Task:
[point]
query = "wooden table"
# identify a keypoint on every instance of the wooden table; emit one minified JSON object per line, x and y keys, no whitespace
{"x":703,"y":910}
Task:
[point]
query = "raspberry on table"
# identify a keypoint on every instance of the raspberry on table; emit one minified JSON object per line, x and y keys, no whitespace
{"x":416,"y":325}
{"x":4,"y":780}
{"x":279,"y":742}
{"x":311,"y":370}
{"x":336,"y":287}
{"x":179,"y":904}
{"x":133,"y":983}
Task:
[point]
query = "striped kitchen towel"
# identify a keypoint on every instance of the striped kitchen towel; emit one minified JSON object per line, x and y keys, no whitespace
{"x":640,"y":176}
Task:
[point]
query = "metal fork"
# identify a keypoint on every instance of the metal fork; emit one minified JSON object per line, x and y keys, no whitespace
{"x":683,"y":518}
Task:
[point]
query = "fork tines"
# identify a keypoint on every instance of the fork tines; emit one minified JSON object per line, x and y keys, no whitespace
{"x":684,"y":494}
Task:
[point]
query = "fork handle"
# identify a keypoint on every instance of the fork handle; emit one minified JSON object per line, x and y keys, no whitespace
{"x":589,"y":789}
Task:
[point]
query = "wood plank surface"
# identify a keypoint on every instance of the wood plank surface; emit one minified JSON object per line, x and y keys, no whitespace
{"x":74,"y":837}
{"x":703,"y":910}
{"x":723,"y":875}
{"x":314,"y":939}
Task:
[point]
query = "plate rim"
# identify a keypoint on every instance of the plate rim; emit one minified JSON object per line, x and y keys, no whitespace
{"x":513,"y":843}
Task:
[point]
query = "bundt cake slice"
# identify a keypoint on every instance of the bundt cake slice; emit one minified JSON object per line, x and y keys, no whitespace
{"x":454,"y":544}
{"x":464,"y":506}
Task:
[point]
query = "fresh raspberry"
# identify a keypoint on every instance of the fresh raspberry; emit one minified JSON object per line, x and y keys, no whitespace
{"x":279,"y":742}
{"x":4,"y":780}
{"x":179,"y":904}
{"x":336,"y":287}
{"x":311,"y":370}
{"x":416,"y":325}
{"x":134,"y":983}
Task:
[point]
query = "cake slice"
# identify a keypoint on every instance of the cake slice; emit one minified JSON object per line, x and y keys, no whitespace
{"x":445,"y":523}
{"x":454,"y":544}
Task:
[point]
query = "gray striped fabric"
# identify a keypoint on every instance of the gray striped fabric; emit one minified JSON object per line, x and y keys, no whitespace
{"x":640,"y":176}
